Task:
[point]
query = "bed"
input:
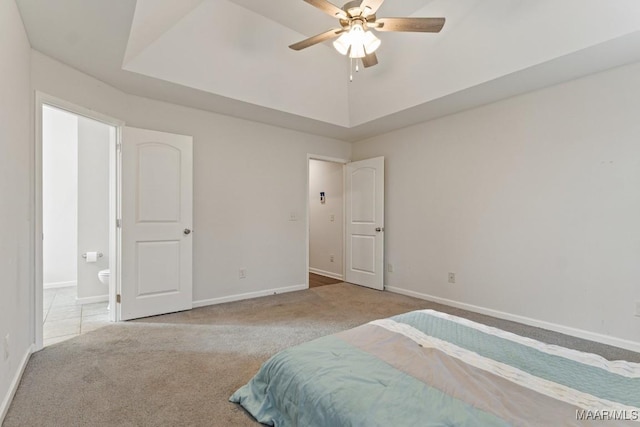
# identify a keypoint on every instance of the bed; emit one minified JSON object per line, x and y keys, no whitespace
{"x":427,"y":368}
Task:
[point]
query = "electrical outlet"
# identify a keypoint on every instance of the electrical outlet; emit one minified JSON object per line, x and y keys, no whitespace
{"x":293,"y":216}
{"x":331,"y":258}
{"x":390,"y":268}
{"x":638,"y":308}
{"x":242,"y":273}
{"x":332,"y":217}
{"x":6,"y":347}
{"x":452,"y":277}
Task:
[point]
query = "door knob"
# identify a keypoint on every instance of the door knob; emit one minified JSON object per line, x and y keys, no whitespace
{"x":379,"y":229}
{"x":187,"y":231}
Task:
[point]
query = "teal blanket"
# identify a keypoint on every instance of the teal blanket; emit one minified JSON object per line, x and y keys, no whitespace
{"x":427,"y":368}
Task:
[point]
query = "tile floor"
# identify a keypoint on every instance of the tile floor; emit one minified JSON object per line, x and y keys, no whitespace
{"x":65,"y":319}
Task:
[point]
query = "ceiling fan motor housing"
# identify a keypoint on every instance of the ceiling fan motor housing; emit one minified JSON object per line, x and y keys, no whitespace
{"x":355,"y":15}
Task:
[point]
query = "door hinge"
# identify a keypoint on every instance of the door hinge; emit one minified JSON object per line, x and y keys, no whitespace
{"x":118,"y":298}
{"x":118,"y":223}
{"x":119,"y":147}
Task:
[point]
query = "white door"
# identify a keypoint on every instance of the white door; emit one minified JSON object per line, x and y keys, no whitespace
{"x":365,"y":223}
{"x":157,"y":186}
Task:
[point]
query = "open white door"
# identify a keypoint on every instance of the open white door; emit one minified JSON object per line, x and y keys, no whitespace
{"x":157,"y":187}
{"x":365,"y":223}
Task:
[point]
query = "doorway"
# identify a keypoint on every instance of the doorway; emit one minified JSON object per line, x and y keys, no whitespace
{"x":76,"y":207}
{"x":325,"y":221}
{"x":358,"y":214}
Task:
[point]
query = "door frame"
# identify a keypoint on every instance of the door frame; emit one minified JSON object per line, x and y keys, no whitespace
{"x":343,"y":162}
{"x":42,"y":99}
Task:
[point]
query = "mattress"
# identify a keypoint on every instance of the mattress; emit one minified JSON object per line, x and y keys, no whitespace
{"x":427,"y":368}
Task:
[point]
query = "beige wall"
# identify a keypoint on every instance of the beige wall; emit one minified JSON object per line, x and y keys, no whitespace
{"x":16,"y":319}
{"x":248,"y":179}
{"x":532,"y":201}
{"x":59,"y":197}
{"x":94,"y":140}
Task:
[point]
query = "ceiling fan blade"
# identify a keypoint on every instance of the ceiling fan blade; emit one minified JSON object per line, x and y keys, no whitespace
{"x":327,"y":35}
{"x":328,"y":8}
{"x":370,"y":60}
{"x":372,"y":5}
{"x":421,"y":25}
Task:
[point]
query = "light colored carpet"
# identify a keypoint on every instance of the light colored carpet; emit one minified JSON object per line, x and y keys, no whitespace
{"x":180,"y":369}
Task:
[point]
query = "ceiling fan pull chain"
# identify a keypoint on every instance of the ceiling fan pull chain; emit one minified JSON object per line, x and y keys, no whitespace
{"x":351,"y":69}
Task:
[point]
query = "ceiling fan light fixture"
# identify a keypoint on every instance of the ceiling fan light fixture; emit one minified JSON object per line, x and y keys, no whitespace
{"x":357,"y":33}
{"x":357,"y":42}
{"x":343,"y":43}
{"x":371,"y":42}
{"x":357,"y":51}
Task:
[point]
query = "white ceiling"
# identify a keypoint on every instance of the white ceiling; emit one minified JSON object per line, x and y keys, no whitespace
{"x":231,"y":56}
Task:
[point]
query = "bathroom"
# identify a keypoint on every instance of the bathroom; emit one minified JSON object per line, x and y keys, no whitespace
{"x":77,"y":189}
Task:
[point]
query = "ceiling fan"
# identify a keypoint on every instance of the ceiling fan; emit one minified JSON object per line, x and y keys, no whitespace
{"x":356,"y":18}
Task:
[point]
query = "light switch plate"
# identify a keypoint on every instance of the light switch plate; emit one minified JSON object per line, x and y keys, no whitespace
{"x":638,"y":308}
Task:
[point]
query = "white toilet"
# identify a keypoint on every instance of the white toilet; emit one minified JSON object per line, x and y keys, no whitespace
{"x":103,"y":276}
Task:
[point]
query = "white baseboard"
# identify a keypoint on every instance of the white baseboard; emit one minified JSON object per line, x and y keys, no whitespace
{"x":248,"y":295}
{"x":13,"y":387}
{"x":579,"y":333}
{"x":325,"y":273}
{"x":55,"y":285}
{"x":91,"y":300}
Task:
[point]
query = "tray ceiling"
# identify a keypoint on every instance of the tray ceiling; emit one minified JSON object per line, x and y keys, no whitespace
{"x":231,"y":56}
